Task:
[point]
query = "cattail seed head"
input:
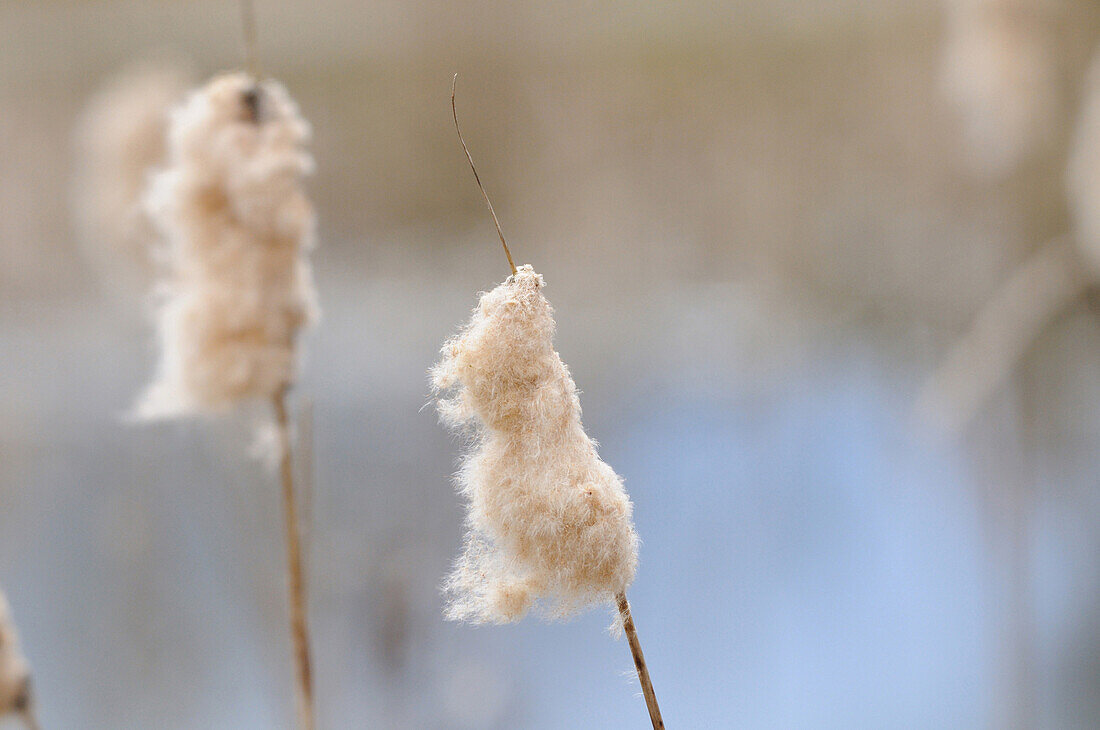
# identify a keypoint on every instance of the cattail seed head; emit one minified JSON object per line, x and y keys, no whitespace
{"x":15,"y":673}
{"x":233,"y":209}
{"x":547,"y":518}
{"x":999,"y":68}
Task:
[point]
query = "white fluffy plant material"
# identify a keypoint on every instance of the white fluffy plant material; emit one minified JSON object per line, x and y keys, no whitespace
{"x":547,"y":518}
{"x":238,"y":224}
{"x":121,"y":136}
{"x":15,"y":697}
{"x":999,"y":68}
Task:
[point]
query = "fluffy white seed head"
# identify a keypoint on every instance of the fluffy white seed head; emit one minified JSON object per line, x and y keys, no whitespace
{"x":14,"y":671}
{"x":1000,"y":71}
{"x":120,"y":138}
{"x":233,"y":209}
{"x":1083,"y":183}
{"x":547,"y":518}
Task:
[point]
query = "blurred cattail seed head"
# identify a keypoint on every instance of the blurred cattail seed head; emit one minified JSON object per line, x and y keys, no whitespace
{"x":999,"y":69}
{"x":15,"y":687}
{"x":233,"y":209}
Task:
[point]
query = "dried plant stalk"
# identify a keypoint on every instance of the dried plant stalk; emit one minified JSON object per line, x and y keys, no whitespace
{"x":1083,"y":174}
{"x":248,"y":38}
{"x":296,"y":580}
{"x":639,"y":662}
{"x":477,"y":178}
{"x":1000,"y":335}
{"x":233,"y":208}
{"x":547,"y":518}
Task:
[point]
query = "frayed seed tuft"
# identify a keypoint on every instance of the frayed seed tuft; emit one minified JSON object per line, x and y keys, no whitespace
{"x":548,"y":520}
{"x":233,"y":208}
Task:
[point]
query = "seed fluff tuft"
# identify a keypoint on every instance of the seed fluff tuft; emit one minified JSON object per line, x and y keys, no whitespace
{"x":549,"y":522}
{"x":233,"y":209}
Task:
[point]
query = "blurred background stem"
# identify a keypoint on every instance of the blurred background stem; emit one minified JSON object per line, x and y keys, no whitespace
{"x":296,"y":580}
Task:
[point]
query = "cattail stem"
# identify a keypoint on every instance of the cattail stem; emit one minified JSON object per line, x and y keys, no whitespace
{"x":1018,"y":312}
{"x":477,"y":178}
{"x":639,"y":662}
{"x":299,"y":627}
{"x":248,"y":37}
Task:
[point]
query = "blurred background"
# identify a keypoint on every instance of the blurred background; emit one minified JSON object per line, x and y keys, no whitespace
{"x":766,"y":227}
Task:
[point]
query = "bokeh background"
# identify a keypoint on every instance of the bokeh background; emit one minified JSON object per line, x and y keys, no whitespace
{"x":763,"y":225}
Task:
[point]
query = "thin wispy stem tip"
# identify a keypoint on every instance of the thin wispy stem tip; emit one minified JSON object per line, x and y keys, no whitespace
{"x":248,"y":36}
{"x":454,"y":113}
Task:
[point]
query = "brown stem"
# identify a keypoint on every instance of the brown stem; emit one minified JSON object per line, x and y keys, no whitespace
{"x":299,"y":628}
{"x":639,"y":662}
{"x":1001,"y":335}
{"x":248,"y":36}
{"x":477,"y":178}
